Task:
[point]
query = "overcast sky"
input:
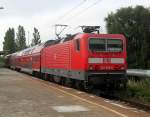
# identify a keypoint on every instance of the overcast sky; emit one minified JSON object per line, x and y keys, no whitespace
{"x":44,"y":14}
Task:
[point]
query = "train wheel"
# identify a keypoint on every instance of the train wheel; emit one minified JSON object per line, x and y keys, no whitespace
{"x":45,"y":77}
{"x":50,"y":78}
{"x":57,"y":79}
{"x":90,"y":88}
{"x":38,"y":74}
{"x":78,"y":85}
{"x":34,"y":73}
{"x":68,"y":82}
{"x":41,"y":76}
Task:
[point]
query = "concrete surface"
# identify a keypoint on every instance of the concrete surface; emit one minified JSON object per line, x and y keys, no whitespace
{"x":24,"y":96}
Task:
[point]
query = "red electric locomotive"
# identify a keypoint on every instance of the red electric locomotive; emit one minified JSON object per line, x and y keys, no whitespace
{"x":85,"y":59}
{"x":95,"y":59}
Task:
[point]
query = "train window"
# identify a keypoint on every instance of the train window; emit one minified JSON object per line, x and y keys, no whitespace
{"x":105,"y":45}
{"x":78,"y":45}
{"x":114,"y":45}
{"x":96,"y":44}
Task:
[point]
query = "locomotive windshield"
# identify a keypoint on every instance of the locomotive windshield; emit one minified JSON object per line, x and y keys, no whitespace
{"x":105,"y":45}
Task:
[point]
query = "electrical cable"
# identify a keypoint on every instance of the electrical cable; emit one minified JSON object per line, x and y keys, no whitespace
{"x":83,"y":11}
{"x":78,"y":13}
{"x":71,"y":10}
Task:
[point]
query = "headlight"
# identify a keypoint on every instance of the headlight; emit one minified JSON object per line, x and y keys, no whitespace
{"x":90,"y":68}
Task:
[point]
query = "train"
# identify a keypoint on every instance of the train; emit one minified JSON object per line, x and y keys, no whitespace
{"x":84,"y":60}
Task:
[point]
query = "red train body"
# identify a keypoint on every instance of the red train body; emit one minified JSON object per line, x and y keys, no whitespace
{"x":95,"y":59}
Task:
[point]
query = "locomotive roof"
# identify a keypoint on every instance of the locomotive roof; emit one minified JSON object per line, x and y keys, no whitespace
{"x":80,"y":35}
{"x":67,"y":38}
{"x":39,"y":47}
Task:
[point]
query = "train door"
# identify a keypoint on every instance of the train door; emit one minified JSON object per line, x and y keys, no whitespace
{"x":76,"y":55}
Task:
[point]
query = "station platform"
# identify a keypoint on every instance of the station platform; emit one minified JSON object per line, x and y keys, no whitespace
{"x":22,"y":95}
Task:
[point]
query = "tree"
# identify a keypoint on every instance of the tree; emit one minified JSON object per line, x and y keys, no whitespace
{"x":134,"y":23}
{"x":21,"y":39}
{"x":36,"y":37}
{"x":9,"y":41}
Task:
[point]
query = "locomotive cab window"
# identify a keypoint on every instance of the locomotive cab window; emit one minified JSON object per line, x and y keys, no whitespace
{"x":97,"y":44}
{"x":114,"y":45}
{"x":78,"y":45}
{"x":105,"y":45}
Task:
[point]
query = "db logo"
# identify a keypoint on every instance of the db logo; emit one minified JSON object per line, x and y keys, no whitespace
{"x":106,"y":60}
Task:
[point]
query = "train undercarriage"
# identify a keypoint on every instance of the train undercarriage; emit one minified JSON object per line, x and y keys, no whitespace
{"x":104,"y":82}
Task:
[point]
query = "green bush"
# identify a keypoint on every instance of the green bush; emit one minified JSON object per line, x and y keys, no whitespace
{"x":139,"y":90}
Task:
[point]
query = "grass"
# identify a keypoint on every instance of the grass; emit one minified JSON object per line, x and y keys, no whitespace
{"x":139,"y":90}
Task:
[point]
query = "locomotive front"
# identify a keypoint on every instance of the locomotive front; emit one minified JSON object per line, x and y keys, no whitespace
{"x":107,"y":60}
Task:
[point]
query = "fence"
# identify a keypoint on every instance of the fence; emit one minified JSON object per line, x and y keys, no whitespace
{"x":138,"y":73}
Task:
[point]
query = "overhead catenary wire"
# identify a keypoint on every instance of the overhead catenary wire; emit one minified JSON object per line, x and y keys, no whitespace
{"x":83,"y":11}
{"x":79,"y":13}
{"x":71,"y":10}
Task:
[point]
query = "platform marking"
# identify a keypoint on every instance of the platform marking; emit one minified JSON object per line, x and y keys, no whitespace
{"x":116,"y":104}
{"x":70,"y":108}
{"x":136,"y":111}
{"x":92,"y":96}
{"x":79,"y":92}
{"x":119,"y":105}
{"x":90,"y":102}
{"x":66,"y":88}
